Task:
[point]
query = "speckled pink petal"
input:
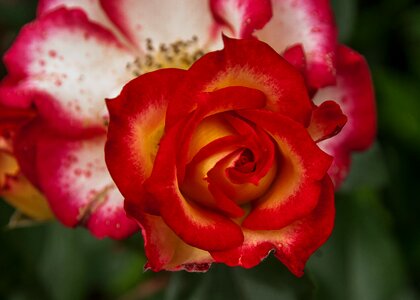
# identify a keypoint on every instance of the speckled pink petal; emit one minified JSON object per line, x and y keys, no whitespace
{"x":241,"y":17}
{"x":306,"y":22}
{"x":354,"y":93}
{"x":66,"y":66}
{"x":164,"y":21}
{"x":74,"y":178}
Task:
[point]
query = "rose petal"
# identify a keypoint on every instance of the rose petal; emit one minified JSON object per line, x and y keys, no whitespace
{"x":21,"y":194}
{"x":246,"y":63}
{"x":327,"y":120}
{"x":354,"y":93}
{"x":163,"y":22}
{"x":310,"y":23}
{"x":79,"y":188}
{"x":164,"y":249}
{"x":300,"y":170}
{"x":242,"y":17}
{"x":136,"y":128}
{"x":293,"y":244}
{"x":8,"y":166}
{"x":67,"y":86}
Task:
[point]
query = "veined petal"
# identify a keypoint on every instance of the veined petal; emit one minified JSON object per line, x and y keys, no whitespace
{"x":79,"y":188}
{"x":164,"y":21}
{"x":241,"y":17}
{"x":68,"y":87}
{"x":310,"y":23}
{"x":301,"y":168}
{"x":293,"y":244}
{"x":354,"y":93}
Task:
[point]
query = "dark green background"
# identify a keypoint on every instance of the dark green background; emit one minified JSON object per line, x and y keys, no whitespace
{"x":373,"y":254}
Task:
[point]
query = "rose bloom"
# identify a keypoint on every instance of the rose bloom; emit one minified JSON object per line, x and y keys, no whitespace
{"x":77,"y":53}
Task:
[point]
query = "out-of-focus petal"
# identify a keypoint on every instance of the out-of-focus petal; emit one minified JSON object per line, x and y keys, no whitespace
{"x":354,"y":93}
{"x":76,"y":182}
{"x":67,"y":84}
{"x":164,"y":21}
{"x":310,"y":23}
{"x":8,"y":166}
{"x":22,"y":195}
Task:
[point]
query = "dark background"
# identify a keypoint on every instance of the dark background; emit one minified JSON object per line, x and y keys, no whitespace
{"x":374,"y":252}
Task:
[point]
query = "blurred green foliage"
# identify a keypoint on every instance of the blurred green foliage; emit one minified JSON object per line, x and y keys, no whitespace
{"x":374,"y":252}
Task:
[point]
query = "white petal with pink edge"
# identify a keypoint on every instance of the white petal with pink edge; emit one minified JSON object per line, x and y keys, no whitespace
{"x":67,"y":66}
{"x":92,"y":8}
{"x":76,"y":182}
{"x":164,"y":21}
{"x":354,"y":93}
{"x":306,"y":22}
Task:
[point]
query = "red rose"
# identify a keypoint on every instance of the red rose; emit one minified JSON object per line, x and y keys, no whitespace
{"x":220,"y":163}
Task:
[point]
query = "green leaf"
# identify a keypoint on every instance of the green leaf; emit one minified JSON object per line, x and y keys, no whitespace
{"x":361,"y":261}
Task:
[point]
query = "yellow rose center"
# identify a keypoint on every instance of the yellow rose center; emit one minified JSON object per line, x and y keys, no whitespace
{"x":238,"y":158}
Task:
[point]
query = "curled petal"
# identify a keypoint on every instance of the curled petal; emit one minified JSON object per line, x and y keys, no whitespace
{"x":311,"y":24}
{"x":327,"y":120}
{"x":354,"y":93}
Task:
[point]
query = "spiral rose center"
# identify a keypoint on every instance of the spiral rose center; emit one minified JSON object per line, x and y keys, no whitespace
{"x":245,"y":162}
{"x":227,"y":162}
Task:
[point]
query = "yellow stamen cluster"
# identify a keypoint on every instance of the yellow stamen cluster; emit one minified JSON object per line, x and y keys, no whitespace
{"x":180,"y":54}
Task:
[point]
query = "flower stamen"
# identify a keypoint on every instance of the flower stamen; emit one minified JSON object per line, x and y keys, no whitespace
{"x":179,"y":54}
